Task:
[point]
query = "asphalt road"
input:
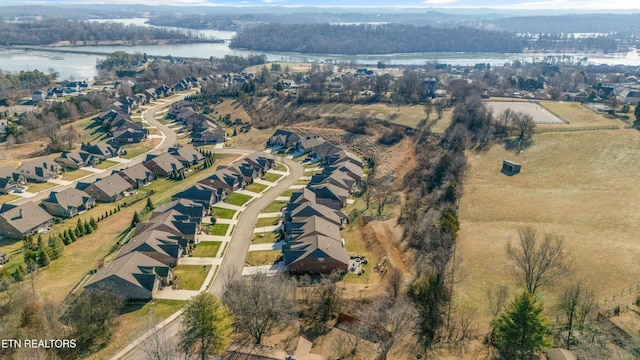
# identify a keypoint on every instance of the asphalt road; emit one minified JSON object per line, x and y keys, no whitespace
{"x":167,"y":141}
{"x":236,"y":254}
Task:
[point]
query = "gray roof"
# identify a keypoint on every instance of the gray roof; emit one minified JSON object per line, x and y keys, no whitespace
{"x":309,"y":209}
{"x":186,"y":153}
{"x":315,"y":246}
{"x":161,"y":242}
{"x":24,"y":217}
{"x":165,"y":162}
{"x":312,"y":225}
{"x":137,"y":172}
{"x":39,"y":167}
{"x":128,"y":268}
{"x":68,"y":198}
{"x":112,"y":185}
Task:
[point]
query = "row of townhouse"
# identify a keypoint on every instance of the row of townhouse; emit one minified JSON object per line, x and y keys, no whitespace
{"x":313,"y":217}
{"x":73,"y":201}
{"x":227,"y":179}
{"x":203,"y":128}
{"x":145,"y":263}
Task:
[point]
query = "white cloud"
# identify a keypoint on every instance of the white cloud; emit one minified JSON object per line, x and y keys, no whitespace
{"x":439,"y":2}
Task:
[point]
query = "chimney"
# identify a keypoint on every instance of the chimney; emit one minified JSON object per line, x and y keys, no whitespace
{"x":21,"y":213}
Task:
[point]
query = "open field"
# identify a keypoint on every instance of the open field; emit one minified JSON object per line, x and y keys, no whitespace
{"x":292,"y":66}
{"x":577,"y":115}
{"x":266,"y":257}
{"x":580,"y":185}
{"x":105,"y":164}
{"x":238,"y":199}
{"x":539,"y":114}
{"x":190,"y":277}
{"x":71,"y":175}
{"x":408,"y":115}
{"x":206,"y":249}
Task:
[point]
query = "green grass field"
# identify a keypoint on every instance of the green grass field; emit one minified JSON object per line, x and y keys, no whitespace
{"x":264,"y":237}
{"x":289,"y":192}
{"x":223,"y":213}
{"x":5,"y":198}
{"x":190,"y":277}
{"x":256,"y":188}
{"x":71,"y":175}
{"x":206,"y":249}
{"x":140,"y":148}
{"x":280,"y":167}
{"x":271,"y":177}
{"x":238,"y":199}
{"x":218,"y":229}
{"x":267,"y":257}
{"x":275,"y":206}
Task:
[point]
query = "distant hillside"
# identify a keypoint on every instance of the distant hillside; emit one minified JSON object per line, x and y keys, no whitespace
{"x":588,"y":23}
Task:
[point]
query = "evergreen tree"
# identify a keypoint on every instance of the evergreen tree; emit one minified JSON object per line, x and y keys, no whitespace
{"x":135,"y":220}
{"x":207,"y":324}
{"x":93,"y":223}
{"x":87,"y":228}
{"x":150,"y":205}
{"x":521,"y":330}
{"x":43,"y":257}
{"x":72,"y":235}
{"x":56,"y":246}
{"x":66,"y":239}
{"x":18,"y":275}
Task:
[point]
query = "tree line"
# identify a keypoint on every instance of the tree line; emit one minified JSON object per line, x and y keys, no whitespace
{"x":51,"y":31}
{"x":373,"y":39}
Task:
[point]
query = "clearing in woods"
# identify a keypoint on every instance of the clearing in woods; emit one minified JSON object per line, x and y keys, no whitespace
{"x":580,"y":185}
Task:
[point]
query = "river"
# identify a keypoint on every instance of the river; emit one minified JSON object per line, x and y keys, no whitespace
{"x":78,"y":66}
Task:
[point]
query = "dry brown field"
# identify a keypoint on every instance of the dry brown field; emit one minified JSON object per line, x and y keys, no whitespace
{"x":580,"y":185}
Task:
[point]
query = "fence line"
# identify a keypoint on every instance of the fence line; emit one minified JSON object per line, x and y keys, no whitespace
{"x":621,"y":297}
{"x":604,"y":127}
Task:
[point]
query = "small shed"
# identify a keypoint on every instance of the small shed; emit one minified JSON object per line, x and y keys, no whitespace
{"x":510,"y":168}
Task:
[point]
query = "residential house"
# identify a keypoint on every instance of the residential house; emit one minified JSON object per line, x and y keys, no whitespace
{"x":313,"y":225}
{"x":295,"y":212}
{"x":135,"y":276}
{"x":192,"y":209}
{"x":337,"y":177}
{"x":38,"y":96}
{"x":103,"y":150}
{"x":225,"y":179}
{"x":259,"y":159}
{"x":110,"y":189}
{"x":68,"y":203}
{"x":630,"y":96}
{"x":129,"y":136}
{"x":76,"y":159}
{"x":174,"y":222}
{"x":163,"y":91}
{"x":40,"y":170}
{"x":208,"y":132}
{"x":330,"y":195}
{"x":137,"y":175}
{"x":283,"y":138}
{"x":315,"y":254}
{"x":159,"y":245}
{"x":351,"y":169}
{"x":164,"y":165}
{"x":18,"y":222}
{"x":150,"y":94}
{"x":187,"y":155}
{"x":344,"y":156}
{"x":10,"y":179}
{"x":201,"y":194}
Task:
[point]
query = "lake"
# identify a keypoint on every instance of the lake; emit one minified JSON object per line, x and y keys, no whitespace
{"x":79,"y":66}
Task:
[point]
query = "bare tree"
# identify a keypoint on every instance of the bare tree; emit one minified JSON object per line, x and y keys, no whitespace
{"x":158,"y":345}
{"x":261,"y":303}
{"x":345,"y":345}
{"x":569,"y":305}
{"x":523,"y":126}
{"x":497,"y":298}
{"x":394,"y":282}
{"x":539,"y":261}
{"x":387,"y":322}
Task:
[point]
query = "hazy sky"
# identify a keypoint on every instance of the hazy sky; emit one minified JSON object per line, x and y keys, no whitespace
{"x":580,"y":5}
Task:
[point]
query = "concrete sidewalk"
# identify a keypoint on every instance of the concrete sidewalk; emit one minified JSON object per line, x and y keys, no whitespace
{"x":264,"y":247}
{"x":199,"y":261}
{"x":170,"y":294}
{"x":270,"y":215}
{"x":225,"y":205}
{"x":263,"y":229}
{"x":205,"y":237}
{"x":270,"y":270}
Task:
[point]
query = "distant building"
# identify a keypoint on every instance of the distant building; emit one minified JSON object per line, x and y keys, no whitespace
{"x":510,"y":168}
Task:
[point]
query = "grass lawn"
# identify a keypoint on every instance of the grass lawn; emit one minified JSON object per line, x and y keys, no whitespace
{"x":223,"y":213}
{"x":271,"y":177}
{"x":302,"y":182}
{"x":190,"y":277}
{"x":576,"y":115}
{"x":289,"y":192}
{"x":140,"y":148}
{"x":37,"y":187}
{"x":312,"y":165}
{"x":238,"y":199}
{"x":280,"y":167}
{"x":256,"y":188}
{"x":579,"y":185}
{"x":135,"y":321}
{"x":262,"y":222}
{"x":5,"y":198}
{"x":275,"y":206}
{"x":218,"y":229}
{"x":206,"y":249}
{"x":105,"y":164}
{"x":266,"y":257}
{"x":71,"y":175}
{"x":264,"y":237}
{"x":408,"y":115}
{"x":440,"y":125}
